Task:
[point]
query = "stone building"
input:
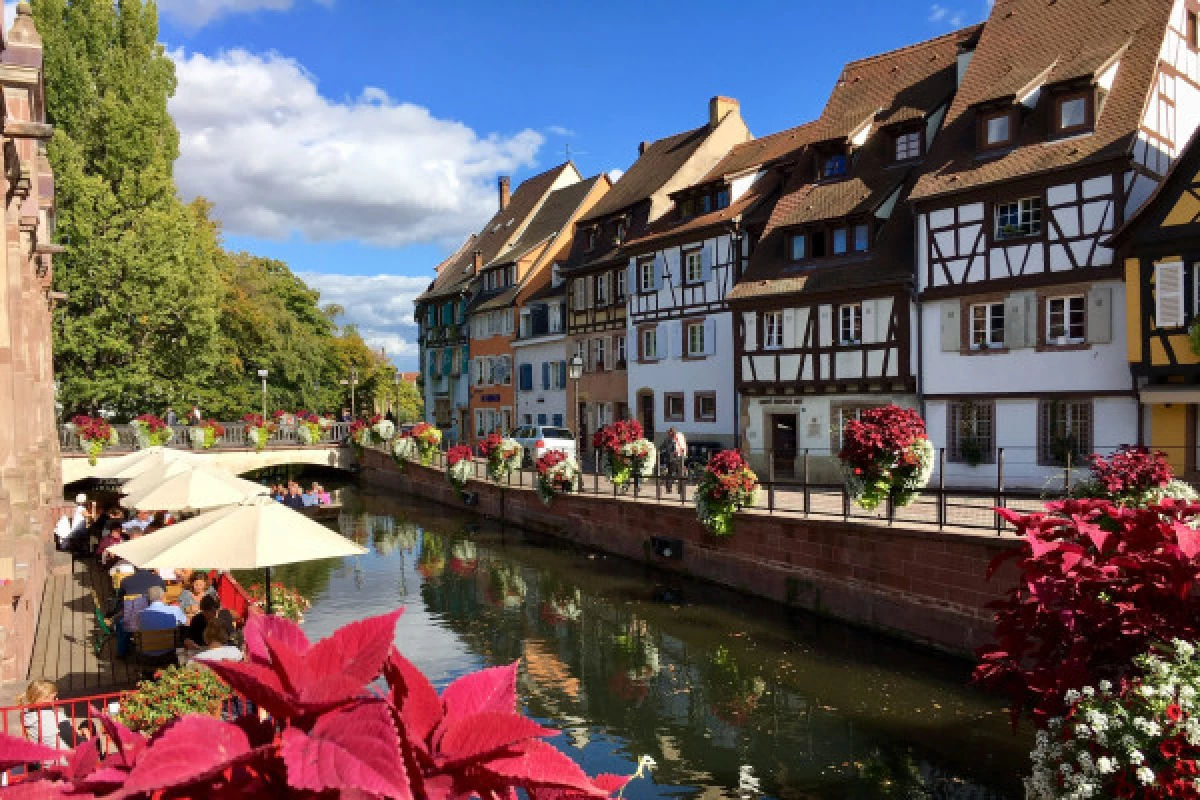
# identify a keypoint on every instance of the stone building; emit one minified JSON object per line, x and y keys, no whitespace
{"x":30,"y":474}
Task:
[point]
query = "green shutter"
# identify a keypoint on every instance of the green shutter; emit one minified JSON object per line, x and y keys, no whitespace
{"x":462,"y":311}
{"x":466,"y":359}
{"x":431,"y":356}
{"x":447,"y":360}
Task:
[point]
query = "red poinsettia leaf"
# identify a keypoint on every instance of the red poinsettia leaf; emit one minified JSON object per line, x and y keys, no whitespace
{"x":258,"y":684}
{"x":1187,"y":539}
{"x":1039,"y":545}
{"x":493,"y":689}
{"x":469,"y":738}
{"x":357,"y":650}
{"x":14,"y":752}
{"x":537,"y":764}
{"x":261,"y":627}
{"x":415,"y":697}
{"x":351,"y":748}
{"x":190,"y":749}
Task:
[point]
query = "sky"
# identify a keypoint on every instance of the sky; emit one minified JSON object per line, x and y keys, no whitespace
{"x":360,"y":140}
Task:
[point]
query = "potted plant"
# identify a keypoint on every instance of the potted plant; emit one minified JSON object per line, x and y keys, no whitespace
{"x":886,"y":454}
{"x":285,"y":602}
{"x":459,"y":467}
{"x":625,"y":451}
{"x":205,"y":435}
{"x":726,"y":485}
{"x":95,"y":434}
{"x":428,"y":439}
{"x":404,"y":449}
{"x":382,"y":428}
{"x":308,"y":427}
{"x":557,"y":473}
{"x":172,"y":693}
{"x":503,"y":456}
{"x":258,"y":430}
{"x":151,"y":431}
{"x":1133,"y":477}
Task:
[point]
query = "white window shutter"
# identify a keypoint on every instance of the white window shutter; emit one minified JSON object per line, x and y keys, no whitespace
{"x":750,"y":320}
{"x":789,"y":328}
{"x":631,"y":281}
{"x":676,"y":339}
{"x":675,"y":265}
{"x":710,"y":337}
{"x":951,"y":332}
{"x":1099,"y":315}
{"x":869,"y":310}
{"x":706,"y":261}
{"x":1168,"y":295}
{"x":1014,"y":321}
{"x":662,"y":338}
{"x":608,"y":353}
{"x":660,"y":269}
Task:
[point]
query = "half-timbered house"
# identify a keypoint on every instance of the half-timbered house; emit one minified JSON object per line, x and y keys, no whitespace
{"x":680,"y":331}
{"x":597,"y":269}
{"x":824,"y":314}
{"x":1159,"y":247}
{"x":1066,"y":118}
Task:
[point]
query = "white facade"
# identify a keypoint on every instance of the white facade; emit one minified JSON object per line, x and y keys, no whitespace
{"x":542,"y":400}
{"x":680,"y":340}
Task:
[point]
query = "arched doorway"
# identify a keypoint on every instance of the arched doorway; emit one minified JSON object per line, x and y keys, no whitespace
{"x":645,"y":412}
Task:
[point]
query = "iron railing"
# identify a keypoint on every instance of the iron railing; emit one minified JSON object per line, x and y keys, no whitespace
{"x":234,"y":438}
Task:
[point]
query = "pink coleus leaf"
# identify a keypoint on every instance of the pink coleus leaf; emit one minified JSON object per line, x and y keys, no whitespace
{"x":355,"y":747}
{"x":1188,"y":540}
{"x":470,"y":738}
{"x":129,"y":744}
{"x":357,"y":650}
{"x":414,"y":696}
{"x":14,"y":752}
{"x":190,"y":749}
{"x":493,"y":689}
{"x":258,"y":684}
{"x":539,"y":765}
{"x":260,"y":628}
{"x":44,"y":790}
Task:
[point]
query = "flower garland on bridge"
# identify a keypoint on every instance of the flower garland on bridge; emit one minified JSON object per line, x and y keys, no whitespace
{"x":726,"y":485}
{"x":96,"y":434}
{"x":625,"y":450}
{"x":151,"y":431}
{"x":258,"y":430}
{"x":557,"y":473}
{"x":308,"y":427}
{"x":459,"y":466}
{"x":886,"y":453}
{"x":428,"y":439}
{"x":503,"y":456}
{"x":204,"y":436}
{"x":1133,"y":477}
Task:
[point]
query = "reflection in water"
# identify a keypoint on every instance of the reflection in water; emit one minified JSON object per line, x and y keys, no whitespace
{"x":731,"y":697}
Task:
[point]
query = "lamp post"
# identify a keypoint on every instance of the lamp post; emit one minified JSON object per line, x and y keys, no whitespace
{"x":262,"y":373}
{"x":351,"y":383}
{"x":575,"y":372}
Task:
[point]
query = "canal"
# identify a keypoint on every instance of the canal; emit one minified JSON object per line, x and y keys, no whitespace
{"x":726,"y":693}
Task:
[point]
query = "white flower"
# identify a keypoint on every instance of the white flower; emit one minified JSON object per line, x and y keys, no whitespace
{"x":1106,"y":765}
{"x":1082,"y":731}
{"x":1105,"y":686}
{"x":1136,"y":757}
{"x":1148,"y":691}
{"x":1145,"y":775}
{"x":1184,"y":649}
{"x":1072,"y":697}
{"x":1089,"y":691}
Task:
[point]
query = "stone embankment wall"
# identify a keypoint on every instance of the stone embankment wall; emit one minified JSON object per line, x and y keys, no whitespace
{"x":921,"y":585}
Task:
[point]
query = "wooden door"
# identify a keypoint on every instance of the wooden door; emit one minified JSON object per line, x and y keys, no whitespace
{"x":783,"y":444}
{"x":646,"y":414}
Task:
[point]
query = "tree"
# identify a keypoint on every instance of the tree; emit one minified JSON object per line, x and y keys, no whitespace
{"x":410,"y":407}
{"x":140,"y":326}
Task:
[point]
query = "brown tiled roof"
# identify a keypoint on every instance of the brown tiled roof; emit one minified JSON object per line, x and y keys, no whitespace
{"x":1027,"y":42}
{"x":554,"y":215}
{"x":827,"y":278}
{"x":653,"y":168}
{"x":456,"y":275}
{"x":757,"y":152}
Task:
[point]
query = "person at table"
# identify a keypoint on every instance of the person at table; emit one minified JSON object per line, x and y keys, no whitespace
{"x":141,"y":522}
{"x":310,"y":498}
{"x":197,"y":588}
{"x":294,"y":499}
{"x":158,"y":616}
{"x":218,"y":642}
{"x":112,"y":536}
{"x":193,"y":638}
{"x":141,"y":582}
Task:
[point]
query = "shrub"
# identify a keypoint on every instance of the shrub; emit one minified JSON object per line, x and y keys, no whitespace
{"x":886,"y":454}
{"x":727,"y":485}
{"x":1099,"y":584}
{"x":1133,"y":476}
{"x":172,"y":693}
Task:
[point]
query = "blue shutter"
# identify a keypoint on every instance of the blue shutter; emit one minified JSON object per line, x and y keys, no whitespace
{"x":466,"y":359}
{"x":562,"y":374}
{"x":558,"y":420}
{"x":447,"y":360}
{"x":433,"y":363}
{"x":431,"y":316}
{"x":545,"y":374}
{"x":526,"y":377}
{"x":462,"y":311}
{"x":541,"y":419}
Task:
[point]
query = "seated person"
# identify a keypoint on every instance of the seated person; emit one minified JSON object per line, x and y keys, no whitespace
{"x":309,"y":499}
{"x":112,"y":536}
{"x":323,"y":496}
{"x":189,"y":598}
{"x":158,"y":616}
{"x":218,"y":642}
{"x":194,"y":637}
{"x":140,"y":581}
{"x":47,"y":725}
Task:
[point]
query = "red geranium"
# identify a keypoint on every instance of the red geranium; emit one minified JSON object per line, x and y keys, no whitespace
{"x":92,"y":428}
{"x":253,"y":420}
{"x":458,"y":453}
{"x":489,"y":444}
{"x":153,"y":424}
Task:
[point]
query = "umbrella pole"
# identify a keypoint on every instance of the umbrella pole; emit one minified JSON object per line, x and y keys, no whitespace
{"x":268,"y":586}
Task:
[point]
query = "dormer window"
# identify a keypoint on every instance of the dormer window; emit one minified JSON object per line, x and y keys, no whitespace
{"x":834,"y":166}
{"x":723,"y":197}
{"x":1193,"y":29}
{"x":590,"y":239}
{"x":1073,"y":112}
{"x":908,"y":145}
{"x":620,"y":233}
{"x":997,"y":129}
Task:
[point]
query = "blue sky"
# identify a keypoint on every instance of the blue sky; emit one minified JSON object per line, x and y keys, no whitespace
{"x":362,"y":138}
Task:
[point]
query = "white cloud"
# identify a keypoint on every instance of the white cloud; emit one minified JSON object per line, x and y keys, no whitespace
{"x":198,"y":13}
{"x":559,"y":130}
{"x":381,"y":306}
{"x":952,"y":17}
{"x":277,"y":158}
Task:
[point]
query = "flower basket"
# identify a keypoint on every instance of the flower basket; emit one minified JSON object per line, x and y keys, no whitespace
{"x":428,"y":439}
{"x":625,"y":451}
{"x":308,"y":428}
{"x":95,"y":434}
{"x":886,"y":454}
{"x":726,"y":486}
{"x":382,"y":429}
{"x":459,"y":467}
{"x":258,"y":431}
{"x":360,"y":435}
{"x":1141,"y":739}
{"x":1133,"y":477}
{"x":151,"y":431}
{"x":404,"y":449}
{"x":205,"y":435}
{"x":503,"y":456}
{"x":285,"y":602}
{"x":172,"y":693}
{"x":557,"y":473}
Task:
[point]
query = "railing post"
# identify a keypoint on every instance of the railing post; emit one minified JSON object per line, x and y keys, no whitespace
{"x":658,"y":481}
{"x":596,"y":474}
{"x":770,"y":482}
{"x":1067,"y":476}
{"x":941,"y":496}
{"x":683,"y":481}
{"x":1000,"y":499}
{"x":845,"y":501}
{"x":807,"y":494}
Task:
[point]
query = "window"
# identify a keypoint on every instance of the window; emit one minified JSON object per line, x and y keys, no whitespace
{"x":971,"y":437}
{"x":705,"y":203}
{"x":862,"y":238}
{"x":1066,"y":320}
{"x":908,"y":145}
{"x":773,"y":330}
{"x":620,"y":280}
{"x":706,"y":406}
{"x":598,"y":349}
{"x":542,"y":420}
{"x":695,"y":339}
{"x":799,"y":247}
{"x":579,"y":294}
{"x":850,"y":324}
{"x":619,"y":350}
{"x":693,"y":266}
{"x":1193,"y":29}
{"x":646,"y":276}
{"x":834,"y":166}
{"x":555,"y":320}
{"x":987,"y":326}
{"x":649,"y":344}
{"x":526,"y":419}
{"x":839,"y":241}
{"x":997,"y":129}
{"x":602,"y":289}
{"x":673,"y":407}
{"x":722,"y":198}
{"x":620,"y":233}
{"x":1064,"y":432}
{"x":1022,"y":218}
{"x":590,"y":238}
{"x":1073,"y":113}
{"x":558,"y":421}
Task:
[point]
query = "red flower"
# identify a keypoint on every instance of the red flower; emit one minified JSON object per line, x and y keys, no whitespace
{"x":1174,"y":712}
{"x":1170,"y":748}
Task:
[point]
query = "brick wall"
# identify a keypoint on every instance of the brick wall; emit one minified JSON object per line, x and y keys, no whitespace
{"x":921,"y":585}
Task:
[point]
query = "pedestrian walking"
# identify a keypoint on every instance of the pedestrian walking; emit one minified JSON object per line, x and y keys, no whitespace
{"x":675,"y":449}
{"x":196,"y":416}
{"x":172,"y":417}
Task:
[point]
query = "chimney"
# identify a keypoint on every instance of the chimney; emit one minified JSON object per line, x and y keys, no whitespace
{"x":477,"y":261}
{"x":719,"y":107}
{"x":503,"y":184}
{"x":642,"y":148}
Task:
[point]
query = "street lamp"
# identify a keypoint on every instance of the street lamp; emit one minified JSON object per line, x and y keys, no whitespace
{"x":351,"y":383}
{"x":575,"y":372}
{"x":262,"y":373}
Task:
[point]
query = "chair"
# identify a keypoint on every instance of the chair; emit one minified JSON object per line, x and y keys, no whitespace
{"x":104,"y":631}
{"x":171,"y":597}
{"x":156,"y":647}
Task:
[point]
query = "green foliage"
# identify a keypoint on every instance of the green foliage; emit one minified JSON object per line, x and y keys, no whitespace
{"x":172,"y":693}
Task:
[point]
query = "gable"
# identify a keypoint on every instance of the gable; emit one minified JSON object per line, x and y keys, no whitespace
{"x":1186,"y":210}
{"x":1172,"y":212}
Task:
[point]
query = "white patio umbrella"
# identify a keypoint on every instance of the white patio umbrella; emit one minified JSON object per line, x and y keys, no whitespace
{"x":155,"y":475}
{"x":254,"y":534}
{"x":193,"y":489}
{"x":131,"y":465}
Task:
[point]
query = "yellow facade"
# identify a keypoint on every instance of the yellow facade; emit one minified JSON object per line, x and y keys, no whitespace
{"x":1168,"y":432}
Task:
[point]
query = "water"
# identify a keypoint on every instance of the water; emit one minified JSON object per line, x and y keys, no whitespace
{"x":724,"y":692}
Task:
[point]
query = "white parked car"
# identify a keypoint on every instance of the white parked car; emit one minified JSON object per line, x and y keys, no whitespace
{"x":540,"y":439}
